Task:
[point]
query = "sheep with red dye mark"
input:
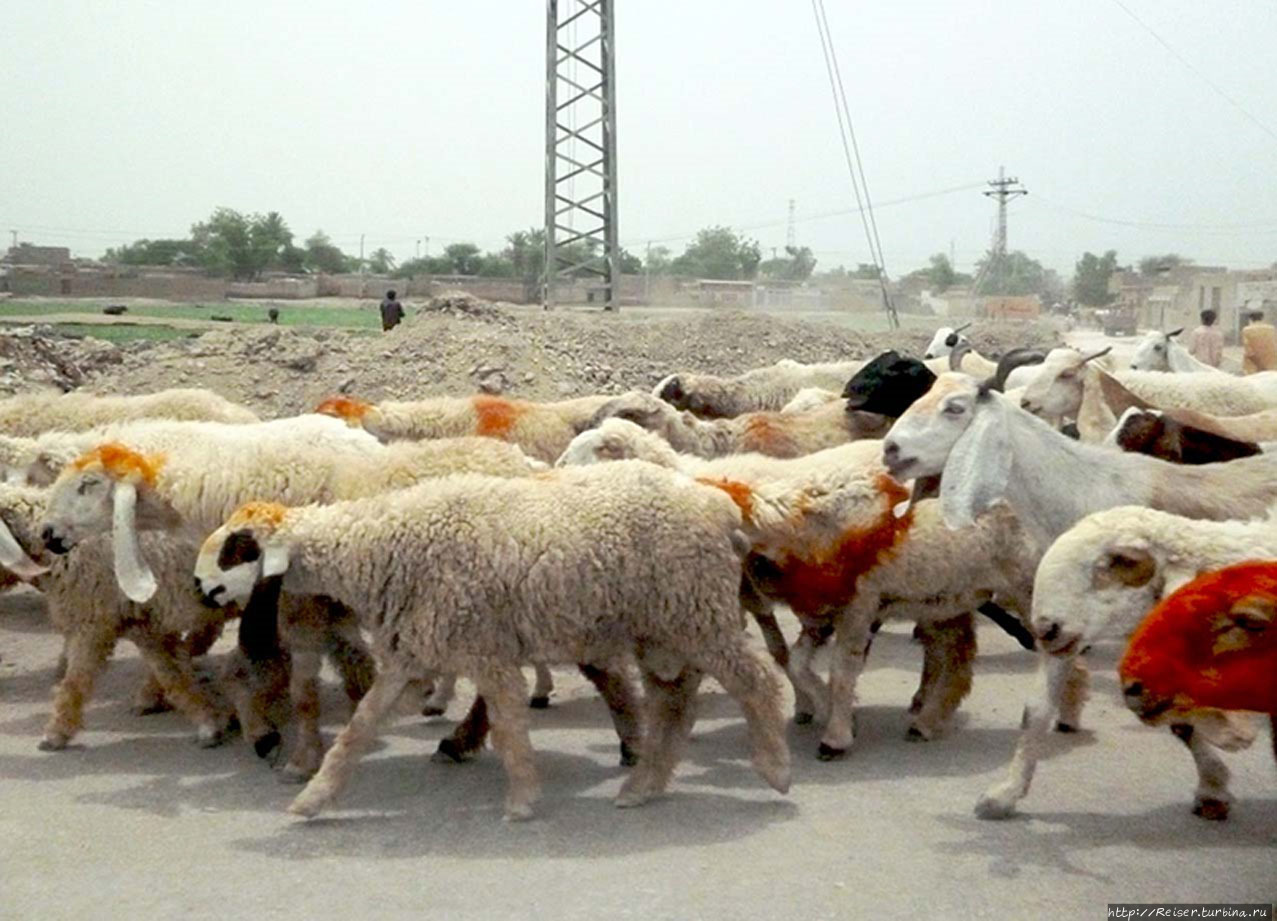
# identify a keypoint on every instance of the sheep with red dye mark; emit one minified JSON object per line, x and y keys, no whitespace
{"x":542,"y":430}
{"x":571,"y":566}
{"x":829,"y":540}
{"x":1210,"y":643}
{"x":774,"y":434}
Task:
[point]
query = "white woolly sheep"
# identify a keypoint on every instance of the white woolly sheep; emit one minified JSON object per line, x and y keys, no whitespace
{"x":775,"y":434}
{"x":1095,"y":583}
{"x":542,"y":430}
{"x":573,"y":566}
{"x":810,"y":398}
{"x":31,"y":414}
{"x":827,"y":541}
{"x":769,"y":388}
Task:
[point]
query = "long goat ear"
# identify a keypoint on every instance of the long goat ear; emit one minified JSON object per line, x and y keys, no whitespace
{"x":15,"y":559}
{"x":274,"y":560}
{"x":131,"y":572}
{"x":979,"y":467}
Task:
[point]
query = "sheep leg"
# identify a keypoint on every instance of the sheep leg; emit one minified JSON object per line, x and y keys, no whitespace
{"x":853,"y":635}
{"x":670,"y":706}
{"x":149,"y":698}
{"x":763,"y":614}
{"x":756,"y":690}
{"x":811,"y":697}
{"x":351,"y":743}
{"x":170,"y":665}
{"x":998,"y":802}
{"x":614,"y":687}
{"x":441,"y":693}
{"x":540,"y":699}
{"x":467,"y":738}
{"x":1076,"y":690}
{"x":86,"y":654}
{"x":349,"y":653}
{"x":952,"y":646}
{"x":1211,"y":799}
{"x":506,"y":691}
{"x":303,"y":694}
{"x":251,"y":687}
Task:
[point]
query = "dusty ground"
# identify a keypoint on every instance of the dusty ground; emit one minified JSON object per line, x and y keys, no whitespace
{"x":135,"y":821}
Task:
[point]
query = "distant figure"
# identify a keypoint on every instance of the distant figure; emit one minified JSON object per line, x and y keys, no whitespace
{"x":273,"y":314}
{"x":391,"y":312}
{"x":1259,"y":345}
{"x":1206,"y":343}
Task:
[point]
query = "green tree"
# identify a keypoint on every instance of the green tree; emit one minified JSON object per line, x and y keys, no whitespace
{"x":1091,"y":278}
{"x":1014,"y":274}
{"x":865,"y":271}
{"x":241,"y":245}
{"x":463,"y":259}
{"x":658,"y":260}
{"x":796,"y":265}
{"x":1151,"y":266}
{"x":154,"y":252}
{"x":381,"y":262}
{"x":717,"y":252}
{"x":322,"y":255}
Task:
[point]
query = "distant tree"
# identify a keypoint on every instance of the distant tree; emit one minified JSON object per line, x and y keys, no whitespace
{"x":865,"y":271}
{"x":1091,"y":278}
{"x":630,"y":263}
{"x":941,"y":273}
{"x":1151,"y":266}
{"x":1014,"y":274}
{"x":496,"y":265}
{"x":154,"y":252}
{"x":241,"y":245}
{"x":717,"y":252}
{"x":658,"y":260}
{"x":463,"y":258}
{"x":796,"y":265}
{"x":424,"y":265}
{"x":323,"y":256}
{"x":381,"y":262}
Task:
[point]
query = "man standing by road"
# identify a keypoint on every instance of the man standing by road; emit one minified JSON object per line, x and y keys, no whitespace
{"x":1259,"y":345}
{"x":391,"y":312}
{"x":1206,"y":343}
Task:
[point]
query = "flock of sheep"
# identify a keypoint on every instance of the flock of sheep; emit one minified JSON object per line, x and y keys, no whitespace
{"x":413,"y":542}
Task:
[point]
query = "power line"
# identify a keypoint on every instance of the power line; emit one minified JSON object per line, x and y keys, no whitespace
{"x":1201,"y":76}
{"x":1261,"y":227}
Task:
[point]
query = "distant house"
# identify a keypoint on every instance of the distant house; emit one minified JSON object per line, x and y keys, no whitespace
{"x":1176,"y":297}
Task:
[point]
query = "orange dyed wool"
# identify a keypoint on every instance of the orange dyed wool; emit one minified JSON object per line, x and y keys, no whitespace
{"x":495,"y":417}
{"x":739,"y":492}
{"x":121,"y":462}
{"x":269,"y":513}
{"x":347,"y":408}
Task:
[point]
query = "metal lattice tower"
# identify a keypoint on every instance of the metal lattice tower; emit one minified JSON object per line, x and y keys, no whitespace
{"x":580,"y":147}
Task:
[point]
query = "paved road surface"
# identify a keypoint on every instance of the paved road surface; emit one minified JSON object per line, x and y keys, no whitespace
{"x":135,"y":822}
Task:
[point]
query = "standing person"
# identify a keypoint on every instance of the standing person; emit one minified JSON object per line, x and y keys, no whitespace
{"x":1259,"y":345}
{"x":1206,"y":343}
{"x":391,"y":312}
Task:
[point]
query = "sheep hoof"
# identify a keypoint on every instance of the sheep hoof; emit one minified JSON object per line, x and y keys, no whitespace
{"x":1065,"y":727}
{"x":307,"y":806}
{"x":539,"y":703}
{"x":630,"y":799}
{"x":450,"y":752}
{"x":993,"y":807}
{"x":517,"y":813}
{"x":433,"y":710}
{"x":829,"y":753}
{"x":1211,"y":809}
{"x":210,"y":736}
{"x":629,"y":757}
{"x":803,"y":719}
{"x":151,"y":707}
{"x":914,"y":734}
{"x":53,"y":742}
{"x":267,"y":746}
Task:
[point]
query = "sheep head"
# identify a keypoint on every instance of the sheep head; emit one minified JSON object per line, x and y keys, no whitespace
{"x":648,"y":412}
{"x":1055,"y":394}
{"x":1212,"y":643}
{"x":110,"y":489}
{"x":350,"y":410}
{"x":18,"y":533}
{"x":617,"y":439}
{"x":241,"y":553}
{"x":888,"y":385}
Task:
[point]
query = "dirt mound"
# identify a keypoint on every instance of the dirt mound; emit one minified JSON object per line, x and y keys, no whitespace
{"x":460,"y":344}
{"x":40,"y":358}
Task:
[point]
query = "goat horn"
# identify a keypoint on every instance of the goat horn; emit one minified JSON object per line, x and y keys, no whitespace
{"x":1015,"y":358}
{"x":966,"y":325}
{"x":1175,"y":332}
{"x":959,"y":352}
{"x":1100,"y":354}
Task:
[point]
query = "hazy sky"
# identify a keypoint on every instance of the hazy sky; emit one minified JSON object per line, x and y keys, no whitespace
{"x":125,"y":118}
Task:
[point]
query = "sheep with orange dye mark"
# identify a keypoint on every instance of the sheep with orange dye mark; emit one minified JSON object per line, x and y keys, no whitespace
{"x":542,"y":430}
{"x":830,"y":541}
{"x":123,"y":489}
{"x":1211,"y":643}
{"x":576,"y":566}
{"x":775,"y":434}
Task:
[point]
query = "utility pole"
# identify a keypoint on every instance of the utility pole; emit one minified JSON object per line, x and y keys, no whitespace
{"x":427,"y":239}
{"x":791,"y":237}
{"x":1004,"y":188}
{"x":580,"y":147}
{"x":361,"y":252}
{"x":14,"y":234}
{"x":418,"y":247}
{"x":647,"y":275}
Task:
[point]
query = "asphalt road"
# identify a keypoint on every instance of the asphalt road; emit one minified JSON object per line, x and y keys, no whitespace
{"x":136,"y":822}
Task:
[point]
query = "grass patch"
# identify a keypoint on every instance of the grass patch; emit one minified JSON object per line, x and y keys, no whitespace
{"x":123,"y":333}
{"x":343,"y":317}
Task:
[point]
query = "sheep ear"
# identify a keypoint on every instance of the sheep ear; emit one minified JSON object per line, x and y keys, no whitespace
{"x":1132,"y":566}
{"x":14,"y":558}
{"x":1254,"y":613}
{"x":274,"y":560}
{"x":979,"y":466}
{"x":131,"y":572}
